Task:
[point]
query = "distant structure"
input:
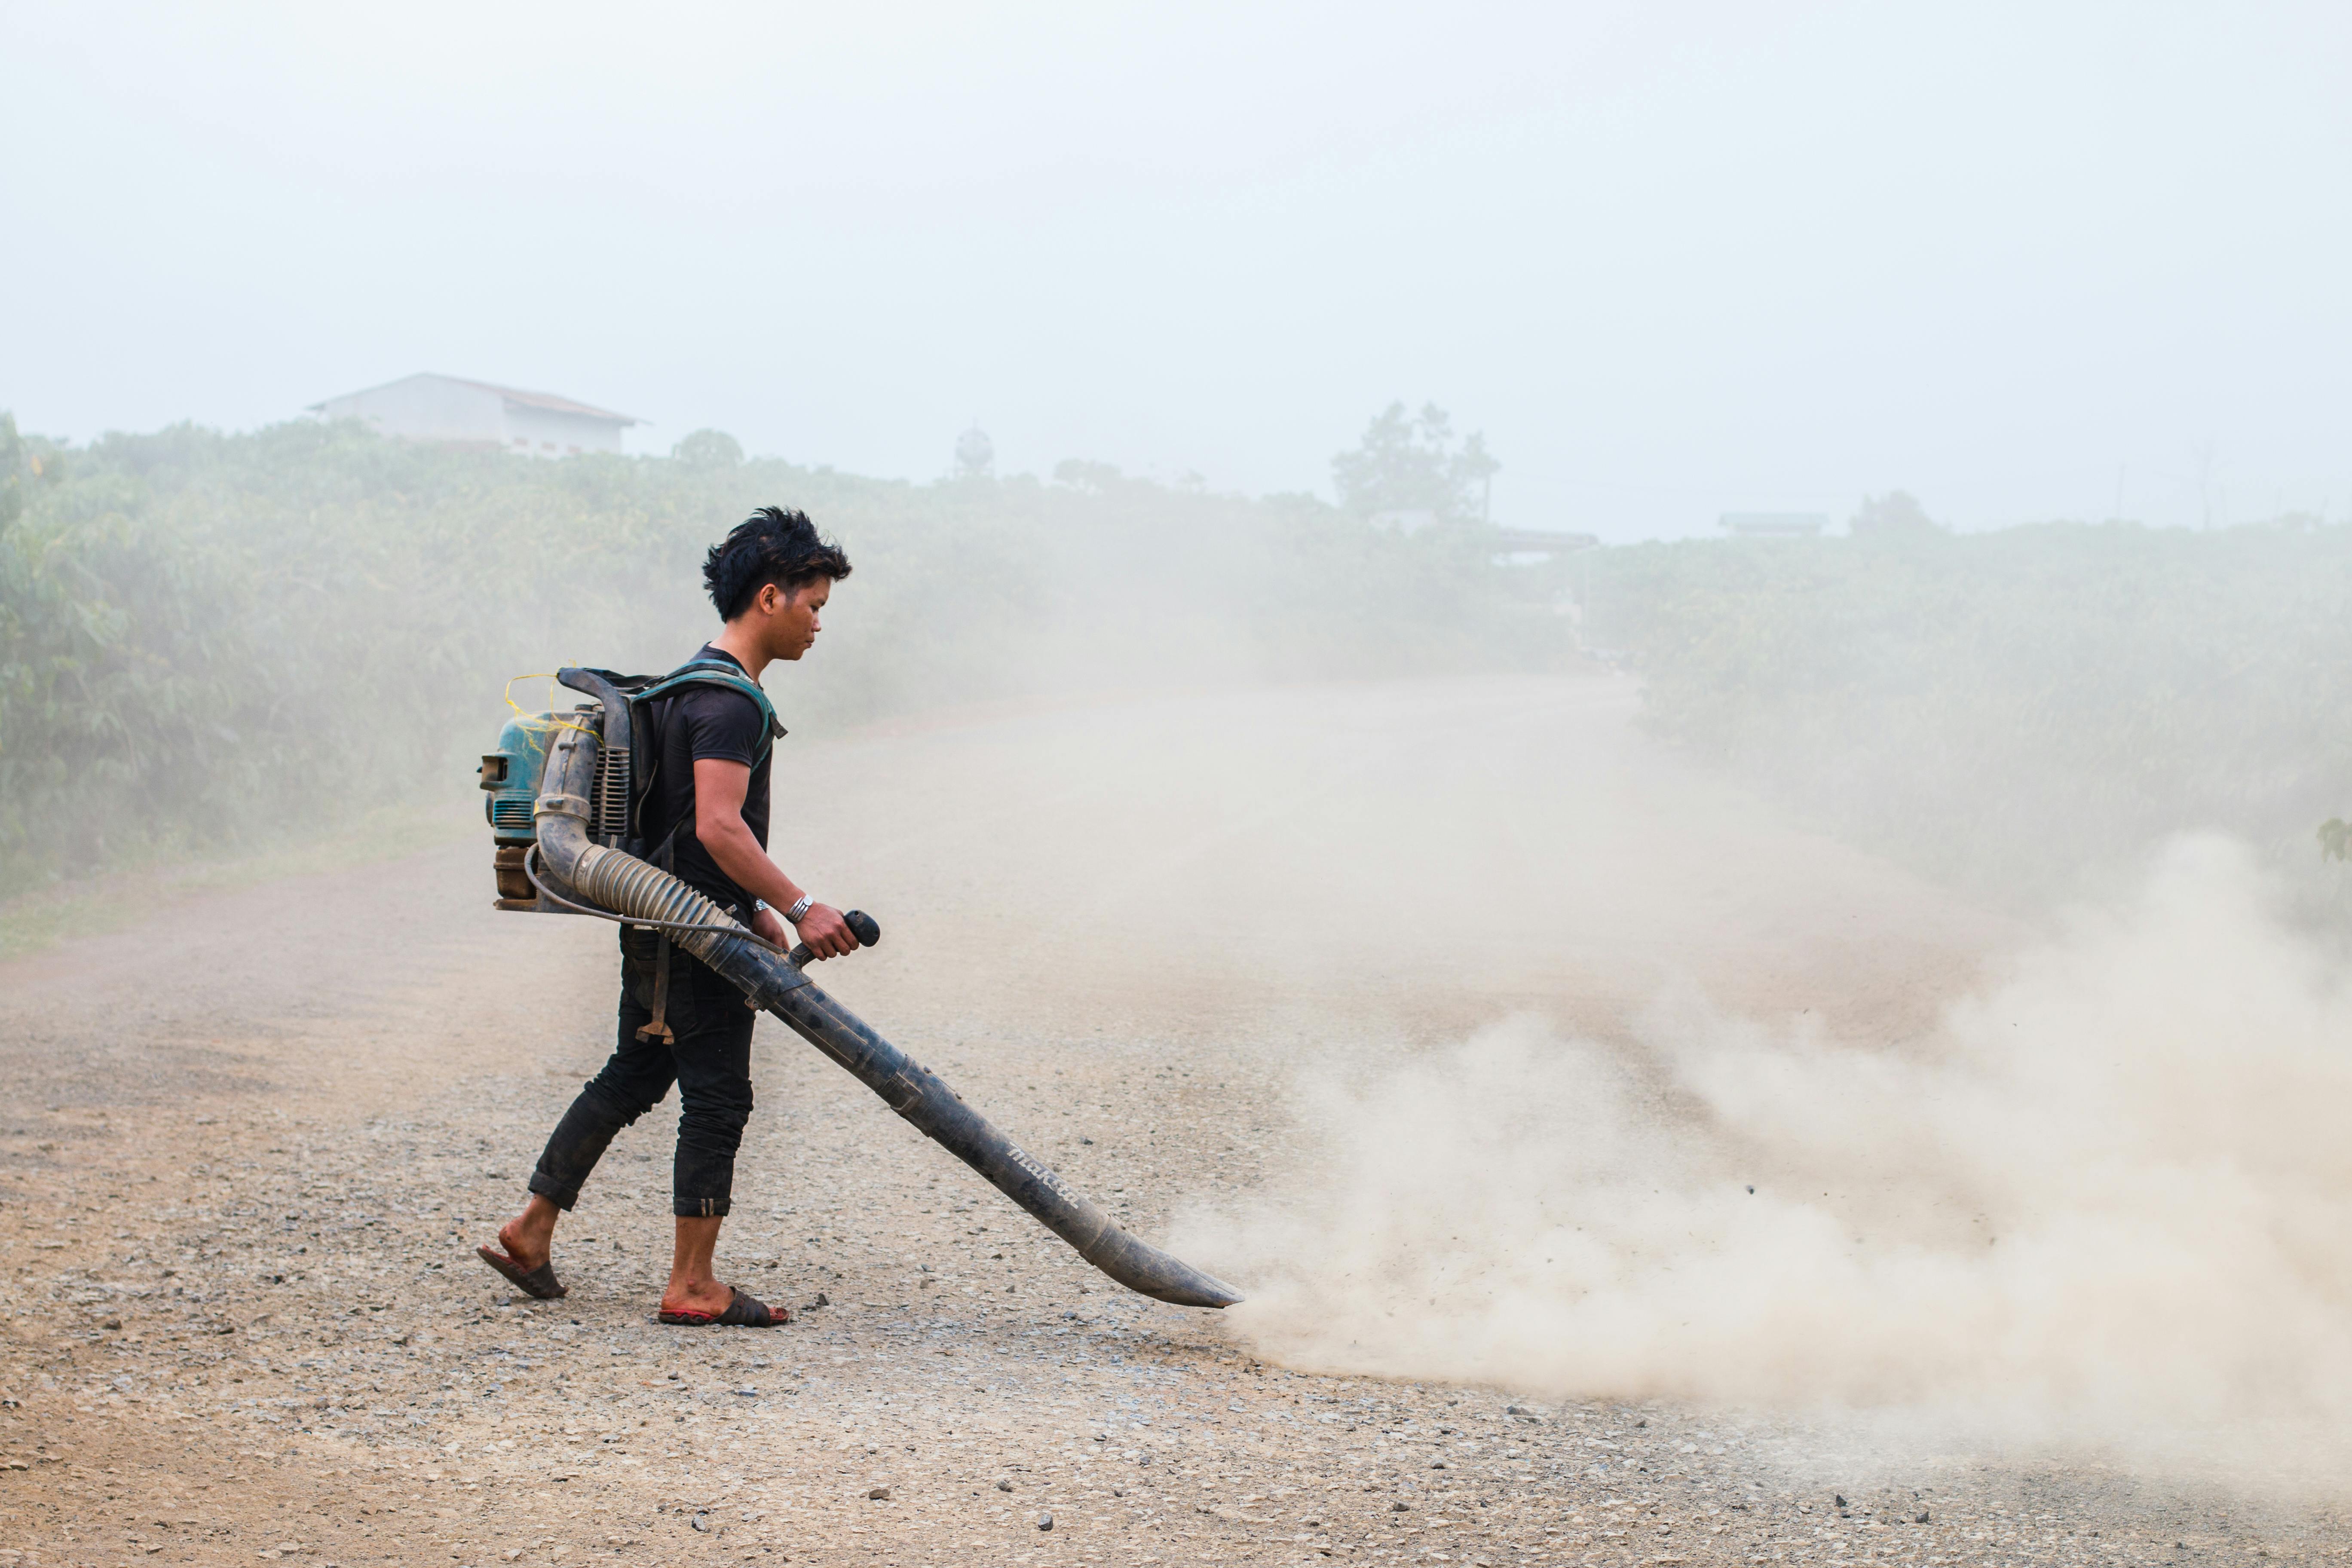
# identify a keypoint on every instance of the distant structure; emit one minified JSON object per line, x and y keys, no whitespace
{"x":1522,"y":543}
{"x":1544,"y":542}
{"x":476,"y":413}
{"x":1772,"y":524}
{"x":975,"y":454}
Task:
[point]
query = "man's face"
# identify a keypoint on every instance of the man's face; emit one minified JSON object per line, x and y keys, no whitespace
{"x":792,"y":621}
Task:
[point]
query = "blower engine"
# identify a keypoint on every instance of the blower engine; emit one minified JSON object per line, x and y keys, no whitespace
{"x":559,"y":800}
{"x":510,"y":775}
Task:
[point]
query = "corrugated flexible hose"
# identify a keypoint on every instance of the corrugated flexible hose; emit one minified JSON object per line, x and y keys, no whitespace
{"x":624,"y":884}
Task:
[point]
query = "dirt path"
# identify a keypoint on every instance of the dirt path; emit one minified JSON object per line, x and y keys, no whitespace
{"x":249,"y":1145}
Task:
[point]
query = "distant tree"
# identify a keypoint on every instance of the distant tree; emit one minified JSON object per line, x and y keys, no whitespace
{"x":1897,"y":514}
{"x":12,"y":469}
{"x":975,"y":454}
{"x":1411,"y":463}
{"x":709,"y":449}
{"x":1082,"y":475}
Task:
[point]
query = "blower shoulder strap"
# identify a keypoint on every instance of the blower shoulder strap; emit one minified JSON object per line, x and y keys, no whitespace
{"x":714,"y":672}
{"x":646,"y":700}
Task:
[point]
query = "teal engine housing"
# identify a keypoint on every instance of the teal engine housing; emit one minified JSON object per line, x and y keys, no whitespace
{"x":511,"y":789}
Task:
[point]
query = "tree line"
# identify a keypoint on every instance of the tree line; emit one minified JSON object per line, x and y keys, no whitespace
{"x":206,"y":638}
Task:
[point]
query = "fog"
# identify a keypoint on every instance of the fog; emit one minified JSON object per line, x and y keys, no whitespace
{"x":2026,"y":262}
{"x":1896,"y":976}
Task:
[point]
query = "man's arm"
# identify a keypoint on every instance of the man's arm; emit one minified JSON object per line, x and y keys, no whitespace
{"x":718,"y":790}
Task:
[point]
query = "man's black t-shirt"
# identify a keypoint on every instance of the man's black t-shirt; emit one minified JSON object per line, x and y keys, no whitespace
{"x":704,"y":721}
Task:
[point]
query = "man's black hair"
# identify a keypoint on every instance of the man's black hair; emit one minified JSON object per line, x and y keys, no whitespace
{"x":772,"y":545}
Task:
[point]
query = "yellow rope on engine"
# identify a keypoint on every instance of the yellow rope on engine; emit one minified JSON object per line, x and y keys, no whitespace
{"x":553,"y":722}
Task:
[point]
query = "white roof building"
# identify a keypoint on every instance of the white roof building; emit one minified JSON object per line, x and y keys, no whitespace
{"x":1773,"y":524}
{"x":476,"y":413}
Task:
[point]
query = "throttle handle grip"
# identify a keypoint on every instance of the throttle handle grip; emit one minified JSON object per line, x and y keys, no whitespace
{"x":862,"y":926}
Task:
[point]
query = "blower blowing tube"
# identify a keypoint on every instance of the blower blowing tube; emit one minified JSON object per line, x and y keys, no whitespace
{"x":612,"y":879}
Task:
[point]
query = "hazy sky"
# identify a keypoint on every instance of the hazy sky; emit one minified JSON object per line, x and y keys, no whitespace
{"x":1674,"y":259}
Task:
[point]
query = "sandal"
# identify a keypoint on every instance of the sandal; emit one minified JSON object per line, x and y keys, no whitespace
{"x":541,"y":1281}
{"x":742,"y":1312}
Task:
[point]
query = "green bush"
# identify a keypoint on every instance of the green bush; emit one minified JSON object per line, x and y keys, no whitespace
{"x":2013,"y":708}
{"x":204,"y":638}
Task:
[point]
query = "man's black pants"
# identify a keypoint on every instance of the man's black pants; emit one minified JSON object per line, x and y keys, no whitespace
{"x":710,"y":1061}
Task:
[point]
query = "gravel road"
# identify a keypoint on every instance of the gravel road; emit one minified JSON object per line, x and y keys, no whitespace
{"x":248,"y":1146}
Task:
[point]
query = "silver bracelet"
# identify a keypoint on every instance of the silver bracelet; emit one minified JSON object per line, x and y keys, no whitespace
{"x":798,"y":910}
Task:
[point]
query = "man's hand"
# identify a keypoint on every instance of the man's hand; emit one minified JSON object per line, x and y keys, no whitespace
{"x":770,"y":926}
{"x":826,"y":933}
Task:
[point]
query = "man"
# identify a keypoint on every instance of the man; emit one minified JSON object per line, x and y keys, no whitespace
{"x":705,"y":814}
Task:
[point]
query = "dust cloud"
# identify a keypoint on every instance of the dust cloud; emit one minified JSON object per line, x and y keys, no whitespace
{"x":2102,"y":1202}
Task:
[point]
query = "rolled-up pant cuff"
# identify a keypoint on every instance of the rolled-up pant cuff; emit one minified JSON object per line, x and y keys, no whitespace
{"x":543,"y":1185}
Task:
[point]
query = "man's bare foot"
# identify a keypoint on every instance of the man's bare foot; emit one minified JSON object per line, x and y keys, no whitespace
{"x":517,"y":1244}
{"x":530,"y":1237}
{"x":693,"y":1285}
{"x":697,"y":1296}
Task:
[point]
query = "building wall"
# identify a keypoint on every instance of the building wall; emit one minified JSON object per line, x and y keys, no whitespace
{"x":435,"y":408}
{"x":427,"y":408}
{"x":545,"y":432}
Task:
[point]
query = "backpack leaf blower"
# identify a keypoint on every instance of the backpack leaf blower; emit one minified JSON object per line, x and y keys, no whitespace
{"x":563,"y":811}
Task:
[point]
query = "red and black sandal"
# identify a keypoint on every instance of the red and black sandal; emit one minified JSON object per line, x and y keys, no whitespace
{"x":541,"y":1281}
{"x":742,"y":1312}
